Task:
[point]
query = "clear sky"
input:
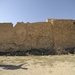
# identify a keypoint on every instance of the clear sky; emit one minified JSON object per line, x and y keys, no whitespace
{"x":35,"y":10}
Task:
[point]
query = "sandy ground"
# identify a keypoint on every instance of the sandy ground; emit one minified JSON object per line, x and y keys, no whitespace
{"x":37,"y":65}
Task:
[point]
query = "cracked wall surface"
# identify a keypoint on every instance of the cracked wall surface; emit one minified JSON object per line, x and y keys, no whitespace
{"x":52,"y":34}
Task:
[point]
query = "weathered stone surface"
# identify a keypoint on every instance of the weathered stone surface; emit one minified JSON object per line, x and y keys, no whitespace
{"x":53,"y":34}
{"x":64,"y":33}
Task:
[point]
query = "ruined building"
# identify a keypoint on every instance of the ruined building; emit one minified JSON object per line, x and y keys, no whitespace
{"x":51,"y":35}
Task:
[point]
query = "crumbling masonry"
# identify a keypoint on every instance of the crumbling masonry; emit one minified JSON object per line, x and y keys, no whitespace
{"x":51,"y":35}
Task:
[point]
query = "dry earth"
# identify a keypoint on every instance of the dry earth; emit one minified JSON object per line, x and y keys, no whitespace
{"x":37,"y":65}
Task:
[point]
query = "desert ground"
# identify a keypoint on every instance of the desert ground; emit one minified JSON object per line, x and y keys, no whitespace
{"x":37,"y":65}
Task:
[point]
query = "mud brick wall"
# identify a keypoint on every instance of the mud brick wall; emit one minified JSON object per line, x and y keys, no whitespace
{"x":25,"y":36}
{"x":63,"y":32}
{"x":52,"y":34}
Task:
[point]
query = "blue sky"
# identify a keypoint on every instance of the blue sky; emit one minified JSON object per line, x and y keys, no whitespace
{"x":35,"y":10}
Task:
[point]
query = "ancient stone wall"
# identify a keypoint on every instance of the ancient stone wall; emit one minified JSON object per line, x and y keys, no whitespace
{"x":64,"y":33}
{"x":52,"y":34}
{"x":25,"y":36}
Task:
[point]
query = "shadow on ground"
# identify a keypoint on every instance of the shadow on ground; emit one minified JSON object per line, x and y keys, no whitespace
{"x":13,"y":67}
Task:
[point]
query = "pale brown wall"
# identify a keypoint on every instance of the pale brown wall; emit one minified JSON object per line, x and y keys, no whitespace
{"x":64,"y":33}
{"x":48,"y":35}
{"x":25,"y":36}
{"x":34,"y":35}
{"x":6,"y":35}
